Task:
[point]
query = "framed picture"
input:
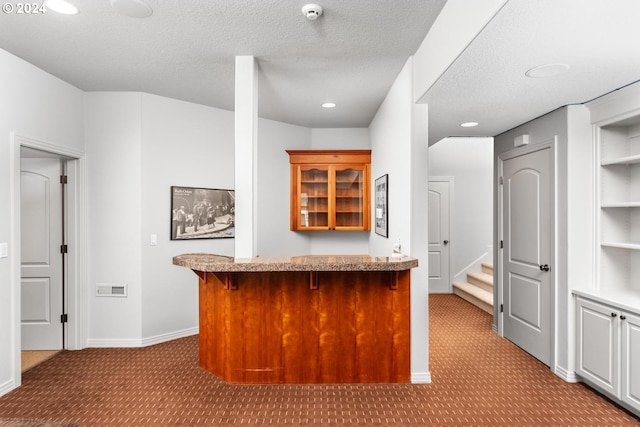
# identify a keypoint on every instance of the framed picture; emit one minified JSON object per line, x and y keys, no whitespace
{"x":381,"y":207}
{"x":202,"y":213}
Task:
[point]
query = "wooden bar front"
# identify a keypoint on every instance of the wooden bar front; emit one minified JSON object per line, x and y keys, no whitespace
{"x":306,"y":326}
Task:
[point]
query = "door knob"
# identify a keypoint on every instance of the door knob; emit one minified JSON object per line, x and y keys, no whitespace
{"x":446,"y":242}
{"x":544,"y":267}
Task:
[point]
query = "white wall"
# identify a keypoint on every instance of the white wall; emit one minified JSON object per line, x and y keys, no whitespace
{"x":183,"y":144}
{"x":37,"y":105}
{"x":470,"y":162}
{"x":274,"y":236}
{"x":399,"y":149}
{"x":114,"y":177}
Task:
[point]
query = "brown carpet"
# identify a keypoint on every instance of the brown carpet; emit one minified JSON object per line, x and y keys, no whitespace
{"x":478,"y":379}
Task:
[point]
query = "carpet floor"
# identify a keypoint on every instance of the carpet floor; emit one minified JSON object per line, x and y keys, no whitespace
{"x":478,"y":379}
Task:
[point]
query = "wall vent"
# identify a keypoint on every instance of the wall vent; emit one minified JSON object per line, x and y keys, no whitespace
{"x":111,"y":289}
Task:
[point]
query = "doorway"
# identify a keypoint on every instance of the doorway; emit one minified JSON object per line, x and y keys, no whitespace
{"x":439,"y":234}
{"x":75,"y":328}
{"x":526,"y":256}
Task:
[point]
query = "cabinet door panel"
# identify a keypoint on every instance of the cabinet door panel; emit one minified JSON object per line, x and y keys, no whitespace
{"x":349,"y":196}
{"x":630,"y":360}
{"x":313,"y":197}
{"x":598,"y":340}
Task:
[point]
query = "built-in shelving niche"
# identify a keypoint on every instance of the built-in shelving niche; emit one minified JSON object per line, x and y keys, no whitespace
{"x":620,"y":207}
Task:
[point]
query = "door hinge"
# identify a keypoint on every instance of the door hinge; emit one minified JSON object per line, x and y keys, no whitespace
{"x":64,"y":318}
{"x":64,"y":249}
{"x":63,"y":179}
{"x":501,"y":308}
{"x":501,"y":244}
{"x":501,"y":181}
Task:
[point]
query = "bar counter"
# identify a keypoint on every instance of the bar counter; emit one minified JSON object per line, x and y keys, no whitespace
{"x":306,"y":319}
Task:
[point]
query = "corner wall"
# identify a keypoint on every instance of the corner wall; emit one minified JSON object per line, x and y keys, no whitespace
{"x":399,"y":145}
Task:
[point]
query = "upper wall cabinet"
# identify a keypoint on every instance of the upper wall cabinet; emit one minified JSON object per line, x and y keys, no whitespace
{"x":330,"y":190}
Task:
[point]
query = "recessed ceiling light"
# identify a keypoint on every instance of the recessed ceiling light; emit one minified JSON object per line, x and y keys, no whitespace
{"x":61,"y":6}
{"x":132,"y":8}
{"x":469,"y":124}
{"x":328,"y":105}
{"x":547,"y":70}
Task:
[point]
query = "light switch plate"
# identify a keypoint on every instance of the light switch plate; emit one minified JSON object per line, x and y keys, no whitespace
{"x":153,"y":240}
{"x":4,"y":250}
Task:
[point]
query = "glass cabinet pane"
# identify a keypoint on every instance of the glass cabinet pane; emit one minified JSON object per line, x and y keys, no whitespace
{"x":314,"y":197}
{"x":349,"y":196}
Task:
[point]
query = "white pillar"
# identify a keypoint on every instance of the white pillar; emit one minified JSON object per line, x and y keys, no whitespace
{"x":246,"y":136}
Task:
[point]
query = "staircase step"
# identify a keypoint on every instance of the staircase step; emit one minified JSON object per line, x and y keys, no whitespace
{"x":475,"y":295}
{"x":487,"y":267}
{"x":482,"y":280}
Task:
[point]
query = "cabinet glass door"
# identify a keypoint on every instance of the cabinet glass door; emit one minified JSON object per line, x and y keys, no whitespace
{"x":313,"y":197}
{"x":349,"y":196}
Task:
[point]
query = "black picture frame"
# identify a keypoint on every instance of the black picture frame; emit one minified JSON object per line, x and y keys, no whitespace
{"x":381,"y":208}
{"x":202,"y":213}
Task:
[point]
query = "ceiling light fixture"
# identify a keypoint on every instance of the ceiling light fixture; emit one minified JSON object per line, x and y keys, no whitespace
{"x":312,"y":11}
{"x":328,"y":105}
{"x":132,"y":8}
{"x":469,"y":124}
{"x":61,"y":6}
{"x":546,"y":70}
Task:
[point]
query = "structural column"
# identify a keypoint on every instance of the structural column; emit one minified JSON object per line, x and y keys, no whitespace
{"x":246,"y":136}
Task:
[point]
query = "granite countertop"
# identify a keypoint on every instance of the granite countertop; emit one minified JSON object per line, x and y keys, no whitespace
{"x":218,"y":263}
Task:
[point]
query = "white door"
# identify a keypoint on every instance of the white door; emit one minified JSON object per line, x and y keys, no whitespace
{"x":439,"y":233}
{"x":41,"y":240}
{"x":527,"y":231}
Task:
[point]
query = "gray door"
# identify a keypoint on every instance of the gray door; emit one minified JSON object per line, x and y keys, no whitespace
{"x":439,"y":236}
{"x":526,"y":266}
{"x":41,"y":239}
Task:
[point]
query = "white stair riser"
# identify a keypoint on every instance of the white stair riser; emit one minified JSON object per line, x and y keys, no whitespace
{"x":480,"y":283}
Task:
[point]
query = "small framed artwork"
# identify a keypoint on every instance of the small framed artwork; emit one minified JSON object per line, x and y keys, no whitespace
{"x":381,"y":205}
{"x":202,"y":213}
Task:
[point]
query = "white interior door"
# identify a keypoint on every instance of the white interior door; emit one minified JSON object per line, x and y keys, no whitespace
{"x":41,"y":240}
{"x":527,"y":231}
{"x":439,"y":236}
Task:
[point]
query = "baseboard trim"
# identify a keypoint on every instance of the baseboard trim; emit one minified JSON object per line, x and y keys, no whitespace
{"x":568,"y":376}
{"x":7,"y":387}
{"x":144,"y":342}
{"x":158,"y":339}
{"x":421,"y":378}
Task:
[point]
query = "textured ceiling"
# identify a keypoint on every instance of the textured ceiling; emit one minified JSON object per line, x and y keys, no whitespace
{"x":598,"y":39}
{"x":186,"y":50}
{"x":351,"y":56}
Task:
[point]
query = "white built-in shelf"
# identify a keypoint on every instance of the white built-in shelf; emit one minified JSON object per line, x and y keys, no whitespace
{"x":627,"y":160}
{"x":621,"y":205}
{"x":621,"y":245}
